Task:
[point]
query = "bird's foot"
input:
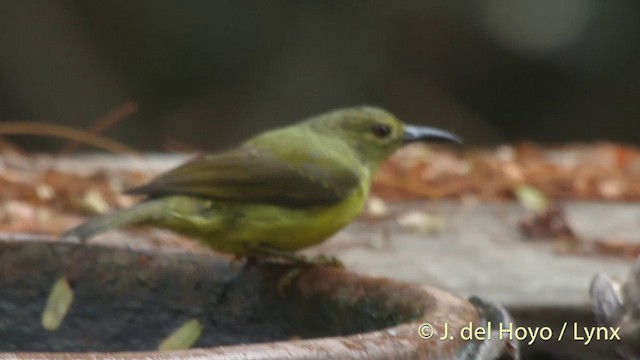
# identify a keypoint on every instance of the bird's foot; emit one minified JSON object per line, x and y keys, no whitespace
{"x":324,"y":260}
{"x":297,"y":259}
{"x":304,"y":263}
{"x":287,"y":279}
{"x":300,"y":264}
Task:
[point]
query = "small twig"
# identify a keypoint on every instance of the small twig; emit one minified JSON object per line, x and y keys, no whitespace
{"x":10,"y":146}
{"x":113,"y":117}
{"x":32,"y":128}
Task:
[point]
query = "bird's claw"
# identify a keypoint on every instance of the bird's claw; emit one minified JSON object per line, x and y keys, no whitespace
{"x":305,"y":263}
{"x":325,"y":260}
{"x":299,"y":263}
{"x":297,"y":259}
{"x":287,"y":279}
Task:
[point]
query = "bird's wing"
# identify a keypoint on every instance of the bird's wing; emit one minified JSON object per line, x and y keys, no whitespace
{"x":249,"y":174}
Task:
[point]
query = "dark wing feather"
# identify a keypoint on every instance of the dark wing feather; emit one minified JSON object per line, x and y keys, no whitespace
{"x":249,"y":175}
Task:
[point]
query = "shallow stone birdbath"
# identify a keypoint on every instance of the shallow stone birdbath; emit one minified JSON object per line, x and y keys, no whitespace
{"x":126,"y":301}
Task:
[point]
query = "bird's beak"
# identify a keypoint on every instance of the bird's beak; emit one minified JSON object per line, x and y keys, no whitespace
{"x":424,"y":133}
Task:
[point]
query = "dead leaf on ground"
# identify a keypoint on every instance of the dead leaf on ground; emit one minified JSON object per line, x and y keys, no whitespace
{"x":551,"y":223}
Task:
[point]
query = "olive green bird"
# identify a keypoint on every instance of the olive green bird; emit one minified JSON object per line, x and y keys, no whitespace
{"x":278,"y":192}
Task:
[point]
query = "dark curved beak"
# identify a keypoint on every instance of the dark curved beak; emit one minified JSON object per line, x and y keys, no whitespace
{"x":424,"y":133}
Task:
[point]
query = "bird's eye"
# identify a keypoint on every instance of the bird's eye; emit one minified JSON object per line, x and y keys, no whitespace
{"x":381,"y":130}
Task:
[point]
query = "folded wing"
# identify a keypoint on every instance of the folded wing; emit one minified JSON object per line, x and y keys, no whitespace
{"x":249,"y":174}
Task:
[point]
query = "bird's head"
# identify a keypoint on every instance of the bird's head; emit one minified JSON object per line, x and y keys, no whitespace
{"x":375,"y":133}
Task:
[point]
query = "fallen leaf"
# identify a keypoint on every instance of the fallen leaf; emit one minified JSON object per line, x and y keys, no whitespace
{"x":183,"y":337}
{"x":422,"y":222}
{"x":549,"y":224}
{"x":58,"y":303}
{"x":531,"y":198}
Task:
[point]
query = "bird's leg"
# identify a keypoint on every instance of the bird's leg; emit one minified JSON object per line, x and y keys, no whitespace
{"x":287,"y":279}
{"x":318,"y":260}
{"x":300,"y":262}
{"x":264,"y":251}
{"x":326,"y":260}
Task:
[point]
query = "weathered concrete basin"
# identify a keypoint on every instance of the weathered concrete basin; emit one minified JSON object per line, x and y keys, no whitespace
{"x":127,"y":301}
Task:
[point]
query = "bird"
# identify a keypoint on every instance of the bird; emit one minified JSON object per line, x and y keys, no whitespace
{"x":276,"y":193}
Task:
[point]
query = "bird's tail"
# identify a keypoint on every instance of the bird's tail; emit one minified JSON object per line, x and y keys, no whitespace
{"x":139,"y":213}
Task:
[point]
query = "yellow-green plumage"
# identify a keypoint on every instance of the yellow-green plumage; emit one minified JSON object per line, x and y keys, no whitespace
{"x":285,"y":189}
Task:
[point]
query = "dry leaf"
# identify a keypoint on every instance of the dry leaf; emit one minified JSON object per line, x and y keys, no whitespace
{"x":58,"y":303}
{"x":183,"y":337}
